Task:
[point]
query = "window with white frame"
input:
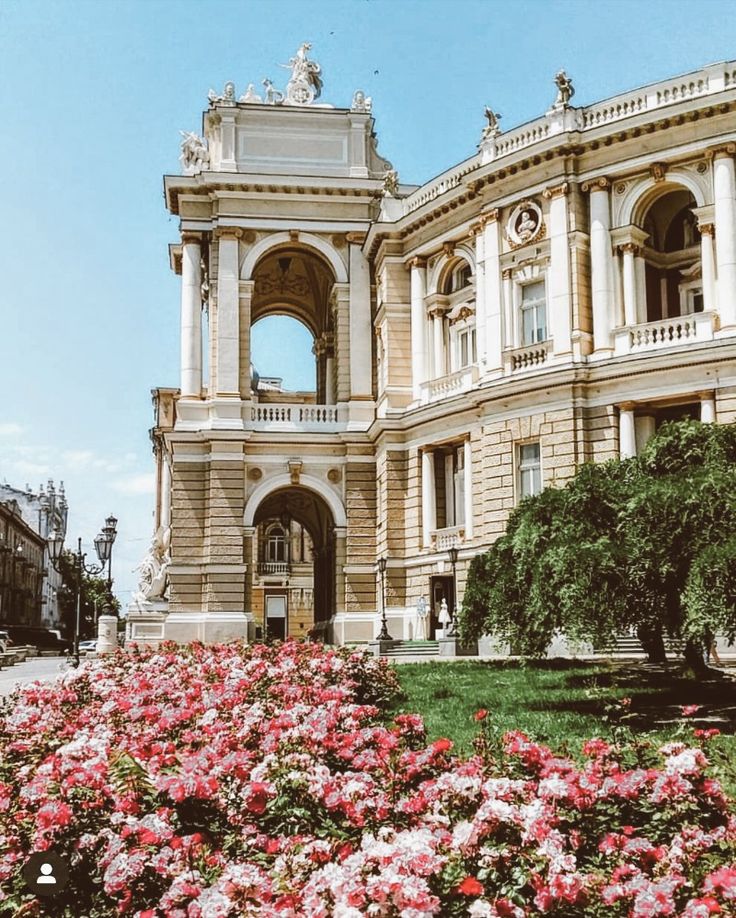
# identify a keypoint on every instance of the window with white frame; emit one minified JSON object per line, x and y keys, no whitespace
{"x":533,"y":313}
{"x":530,"y":469}
{"x":275,"y":545}
{"x":455,"y":487}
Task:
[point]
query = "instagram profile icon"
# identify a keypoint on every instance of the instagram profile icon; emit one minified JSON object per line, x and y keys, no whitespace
{"x":45,"y":873}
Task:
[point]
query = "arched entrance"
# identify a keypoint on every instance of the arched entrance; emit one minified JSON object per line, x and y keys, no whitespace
{"x":292,"y":564}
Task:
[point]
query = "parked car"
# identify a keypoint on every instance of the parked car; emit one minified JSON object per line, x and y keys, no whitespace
{"x":5,"y":641}
{"x":87,"y":646}
{"x":43,"y":638}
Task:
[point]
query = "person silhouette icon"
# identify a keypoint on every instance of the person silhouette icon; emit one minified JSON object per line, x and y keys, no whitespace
{"x":47,"y":875}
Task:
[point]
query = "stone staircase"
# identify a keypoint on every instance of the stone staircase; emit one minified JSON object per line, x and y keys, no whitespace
{"x":413,"y":649}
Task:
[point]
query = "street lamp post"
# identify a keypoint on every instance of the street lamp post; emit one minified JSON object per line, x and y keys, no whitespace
{"x":453,"y":553}
{"x":103,"y":547}
{"x":383,"y":634}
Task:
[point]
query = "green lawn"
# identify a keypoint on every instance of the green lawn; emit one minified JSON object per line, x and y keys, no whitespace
{"x":562,"y":701}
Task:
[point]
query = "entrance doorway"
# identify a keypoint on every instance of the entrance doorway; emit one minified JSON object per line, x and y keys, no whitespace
{"x":276,"y":627}
{"x":440,"y":588}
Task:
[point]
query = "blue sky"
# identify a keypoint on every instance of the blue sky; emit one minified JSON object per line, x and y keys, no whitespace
{"x":93,"y":95}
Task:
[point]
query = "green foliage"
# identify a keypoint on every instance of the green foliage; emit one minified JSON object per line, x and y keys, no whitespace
{"x":94,"y":596}
{"x":646,"y":543}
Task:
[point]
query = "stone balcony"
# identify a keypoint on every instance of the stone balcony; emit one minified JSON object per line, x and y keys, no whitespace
{"x":273,"y":569}
{"x":449,"y":537}
{"x":531,"y":357}
{"x":434,"y":390}
{"x":665,"y":333}
{"x":290,"y":418}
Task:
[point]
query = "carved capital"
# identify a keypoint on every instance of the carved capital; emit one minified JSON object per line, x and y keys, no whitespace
{"x":417,"y":262}
{"x":707,"y":229}
{"x":355,"y":238}
{"x":627,"y":406}
{"x":726,"y":149}
{"x":629,"y":247}
{"x":490,"y":216}
{"x":597,"y":184}
{"x":556,"y":191}
{"x":227,"y":232}
{"x":448,"y":249}
{"x":437,"y":311}
{"x":507,"y":273}
{"x":190,"y":238}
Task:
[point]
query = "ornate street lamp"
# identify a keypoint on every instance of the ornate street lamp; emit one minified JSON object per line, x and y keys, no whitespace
{"x":103,"y":547}
{"x":383,"y":634}
{"x":453,"y":553}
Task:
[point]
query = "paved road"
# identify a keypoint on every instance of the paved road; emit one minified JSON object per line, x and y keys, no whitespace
{"x":37,"y":668}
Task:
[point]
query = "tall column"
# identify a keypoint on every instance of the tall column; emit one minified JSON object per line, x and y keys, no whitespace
{"x":707,"y":407}
{"x":165,"y":520}
{"x":418,"y":326}
{"x":559,"y":298}
{"x":438,"y":335}
{"x":509,"y":325}
{"x":640,"y":267}
{"x":629,"y":251}
{"x":493,"y":336}
{"x":191,"y":317}
{"x":468,"y":488}
{"x":600,"y":262}
{"x":627,"y":430}
{"x":227,"y":375}
{"x":707,"y":261}
{"x":645,"y":426}
{"x":361,"y":332}
{"x":480,"y":292}
{"x":330,"y":378}
{"x":724,"y":194}
{"x":429,"y":504}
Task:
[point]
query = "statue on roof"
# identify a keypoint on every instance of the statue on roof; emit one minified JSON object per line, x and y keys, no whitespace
{"x":250,"y":95}
{"x":273,"y":96}
{"x":565,"y":90}
{"x":493,"y":128}
{"x":227,"y":97}
{"x":194,"y":156}
{"x":361,"y":102}
{"x":390,"y":184}
{"x":305,"y":84}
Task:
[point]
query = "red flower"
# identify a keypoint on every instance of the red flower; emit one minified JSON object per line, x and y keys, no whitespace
{"x":480,"y":714}
{"x":442,"y":745}
{"x":470,"y":887}
{"x":689,"y":709}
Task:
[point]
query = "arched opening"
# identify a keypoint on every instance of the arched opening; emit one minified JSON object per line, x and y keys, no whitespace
{"x":282,"y":353}
{"x":293,"y":564}
{"x":453,"y":316}
{"x":672,"y":257}
{"x":290,"y":313}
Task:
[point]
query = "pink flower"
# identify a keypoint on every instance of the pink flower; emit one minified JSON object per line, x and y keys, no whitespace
{"x":689,"y":709}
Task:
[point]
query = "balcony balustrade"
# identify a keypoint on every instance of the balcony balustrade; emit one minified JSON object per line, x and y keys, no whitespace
{"x":296,"y":418}
{"x":530,"y":357}
{"x":434,"y":390}
{"x":650,"y":336}
{"x":449,"y":537}
{"x":271,"y":568}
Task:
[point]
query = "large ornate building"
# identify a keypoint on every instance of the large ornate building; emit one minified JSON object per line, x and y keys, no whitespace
{"x":546,"y":302}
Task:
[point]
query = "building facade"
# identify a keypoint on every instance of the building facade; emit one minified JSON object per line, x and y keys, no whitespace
{"x":22,"y":553}
{"x":42,"y":511}
{"x":548,"y":301}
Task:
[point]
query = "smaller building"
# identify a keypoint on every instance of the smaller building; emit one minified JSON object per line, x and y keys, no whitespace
{"x":22,"y":554}
{"x":43,"y":511}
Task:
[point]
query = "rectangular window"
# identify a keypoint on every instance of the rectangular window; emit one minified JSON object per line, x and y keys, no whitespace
{"x":530,"y":470}
{"x":466,"y":348}
{"x":533,"y":313}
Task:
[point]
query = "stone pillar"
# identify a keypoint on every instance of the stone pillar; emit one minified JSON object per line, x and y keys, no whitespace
{"x":558,"y":297}
{"x":468,"y":489}
{"x":191,"y":317}
{"x":429,"y":504}
{"x":329,"y":378}
{"x":640,"y":268}
{"x":340,"y":562}
{"x":107,"y":634}
{"x":724,"y":194}
{"x":480,"y":292}
{"x":227,"y":161}
{"x":509,"y":324}
{"x":627,"y":430}
{"x":246,"y":296}
{"x":341,"y":318}
{"x":629,"y":251}
{"x":600,"y":262}
{"x":494,"y":335}
{"x":707,"y":259}
{"x":707,"y":407}
{"x":645,"y":426}
{"x":438,"y":337}
{"x":361,"y":332}
{"x":165,"y":518}
{"x":418,"y":326}
{"x":227,"y":371}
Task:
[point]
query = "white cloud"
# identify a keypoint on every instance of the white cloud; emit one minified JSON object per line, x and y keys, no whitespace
{"x":10,"y":429}
{"x":135,"y":484}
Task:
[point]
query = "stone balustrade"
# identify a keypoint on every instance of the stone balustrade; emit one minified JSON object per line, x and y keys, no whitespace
{"x":649,"y":336}
{"x":434,"y":390}
{"x":449,"y":537}
{"x":269,"y":568}
{"x":291,"y":418}
{"x":527,"y":358}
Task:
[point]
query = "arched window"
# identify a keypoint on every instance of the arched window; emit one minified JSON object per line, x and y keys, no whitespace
{"x":275,"y":550}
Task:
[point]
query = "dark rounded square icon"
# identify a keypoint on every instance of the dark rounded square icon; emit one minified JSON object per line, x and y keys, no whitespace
{"x":45,"y":873}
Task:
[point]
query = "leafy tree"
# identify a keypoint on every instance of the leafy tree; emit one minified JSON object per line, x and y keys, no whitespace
{"x":94,"y":596}
{"x":647,"y":543}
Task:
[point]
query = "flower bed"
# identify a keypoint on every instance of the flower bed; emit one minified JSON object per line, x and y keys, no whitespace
{"x":206,"y":782}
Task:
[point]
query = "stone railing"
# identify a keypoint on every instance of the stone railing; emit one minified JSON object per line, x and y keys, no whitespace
{"x":266,"y":568}
{"x":707,"y":82}
{"x":434,"y":390}
{"x":527,"y":358}
{"x":295,"y":417}
{"x":651,"y":336}
{"x":450,"y":537}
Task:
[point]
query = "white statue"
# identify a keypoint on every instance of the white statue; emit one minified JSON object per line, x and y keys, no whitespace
{"x":493,"y":128}
{"x":444,"y":617}
{"x":194,"y":156}
{"x":153,"y":570}
{"x":565,"y":90}
{"x":227,"y":97}
{"x":305,"y":84}
{"x":361,"y":102}
{"x":422,"y":628}
{"x":391,"y":183}
{"x":273,"y":95}
{"x":250,"y":95}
